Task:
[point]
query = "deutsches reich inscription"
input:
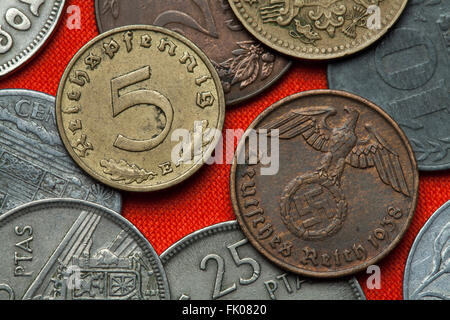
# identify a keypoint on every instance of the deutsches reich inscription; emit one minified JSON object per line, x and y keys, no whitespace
{"x":33,"y":162}
{"x":123,"y":96}
{"x":345,"y":192}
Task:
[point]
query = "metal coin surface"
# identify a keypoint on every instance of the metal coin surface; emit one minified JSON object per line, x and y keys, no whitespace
{"x":221,"y":254}
{"x":245,"y":66}
{"x":318,"y":29}
{"x":341,"y":192}
{"x":124,"y":98}
{"x":34,"y":164}
{"x":427,"y":272}
{"x":25,"y":26}
{"x":408,"y":75}
{"x":64,"y":249}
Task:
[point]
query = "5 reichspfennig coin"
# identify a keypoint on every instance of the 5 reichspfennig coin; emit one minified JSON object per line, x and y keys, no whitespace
{"x":408,"y":75}
{"x":427,"y":268}
{"x":245,"y":66}
{"x":338,"y":191}
{"x":318,"y":30}
{"x":25,"y":26}
{"x":221,"y":254}
{"x":34,"y":164}
{"x":133,"y":104}
{"x":64,"y":249}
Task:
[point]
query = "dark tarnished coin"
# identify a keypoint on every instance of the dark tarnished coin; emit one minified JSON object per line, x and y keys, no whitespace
{"x":345,"y":190}
{"x":25,"y":26}
{"x":63,"y":249}
{"x":408,"y":75}
{"x":318,"y":29}
{"x":244,"y":65}
{"x":33,"y":162}
{"x":140,"y":108}
{"x":221,"y":264}
{"x":427,"y":271}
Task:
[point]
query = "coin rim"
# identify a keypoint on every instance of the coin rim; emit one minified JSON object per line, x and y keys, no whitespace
{"x":233,"y":225}
{"x":52,"y":99}
{"x":160,"y":186}
{"x":318,"y":57}
{"x":33,"y":49}
{"x":112,"y":216}
{"x":417,"y":240}
{"x":230,"y":102}
{"x":326,"y":274}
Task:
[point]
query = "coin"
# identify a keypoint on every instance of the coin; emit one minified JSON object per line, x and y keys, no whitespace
{"x":244,"y":65}
{"x":426,"y":273}
{"x":407,"y":74}
{"x":92,"y":254}
{"x":25,"y":26}
{"x":221,"y":254}
{"x":340,"y":188}
{"x":318,"y":29}
{"x":139,"y":108}
{"x":33,"y":162}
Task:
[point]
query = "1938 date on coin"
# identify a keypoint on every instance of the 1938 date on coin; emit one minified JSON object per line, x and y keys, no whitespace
{"x":123,"y":96}
{"x":345,"y":191}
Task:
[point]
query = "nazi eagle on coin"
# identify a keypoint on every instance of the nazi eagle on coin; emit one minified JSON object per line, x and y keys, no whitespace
{"x":313,"y":205}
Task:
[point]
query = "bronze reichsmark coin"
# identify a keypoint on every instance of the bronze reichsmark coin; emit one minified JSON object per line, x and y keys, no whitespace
{"x":345,"y":190}
{"x":126,"y":100}
{"x":245,"y":66}
{"x":318,"y":29}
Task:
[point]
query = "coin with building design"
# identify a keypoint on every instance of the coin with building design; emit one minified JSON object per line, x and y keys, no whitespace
{"x":33,"y":162}
{"x":243,"y":274}
{"x":140,"y":108}
{"x":92,"y":254}
{"x":408,"y":75}
{"x":345,"y":188}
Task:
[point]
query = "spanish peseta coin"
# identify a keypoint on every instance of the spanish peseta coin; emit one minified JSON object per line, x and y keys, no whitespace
{"x":245,"y":66}
{"x":331,"y":186}
{"x":408,"y":75}
{"x":427,"y":269}
{"x":34,"y":164}
{"x":25,"y":26}
{"x":64,"y":249}
{"x":318,"y":29}
{"x":140,"y":108}
{"x":221,"y":264}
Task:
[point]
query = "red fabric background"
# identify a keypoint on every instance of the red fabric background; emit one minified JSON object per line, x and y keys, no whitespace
{"x":203,"y":200}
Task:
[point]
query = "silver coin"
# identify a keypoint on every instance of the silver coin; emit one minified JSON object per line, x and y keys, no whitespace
{"x":408,"y":75}
{"x":218,"y":262}
{"x":62,"y":249}
{"x":34,"y":164}
{"x":427,"y":272}
{"x":25,"y":26}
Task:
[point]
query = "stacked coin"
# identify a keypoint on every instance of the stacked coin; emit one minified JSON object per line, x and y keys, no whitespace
{"x":141,"y":108}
